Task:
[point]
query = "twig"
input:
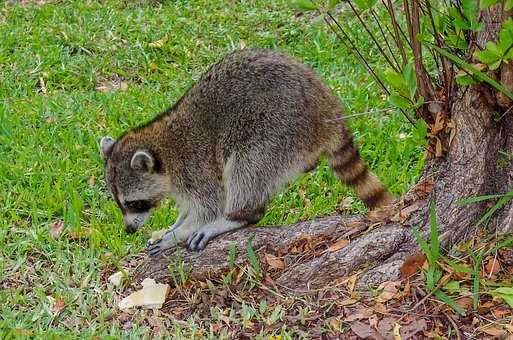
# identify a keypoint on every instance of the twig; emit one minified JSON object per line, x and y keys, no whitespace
{"x":395,"y":25}
{"x":373,"y":37}
{"x":458,"y":334}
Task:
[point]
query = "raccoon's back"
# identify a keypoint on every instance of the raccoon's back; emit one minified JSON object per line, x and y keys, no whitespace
{"x":260,"y":96}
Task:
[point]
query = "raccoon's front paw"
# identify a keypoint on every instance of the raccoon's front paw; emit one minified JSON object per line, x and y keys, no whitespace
{"x":199,"y":239}
{"x":167,"y":241}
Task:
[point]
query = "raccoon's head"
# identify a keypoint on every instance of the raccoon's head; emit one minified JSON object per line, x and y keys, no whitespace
{"x":135,"y":178}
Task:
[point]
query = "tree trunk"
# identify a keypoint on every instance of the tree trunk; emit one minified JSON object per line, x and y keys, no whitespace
{"x":478,"y":161}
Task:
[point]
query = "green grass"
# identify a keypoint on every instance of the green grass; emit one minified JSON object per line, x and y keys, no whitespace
{"x":52,"y":58}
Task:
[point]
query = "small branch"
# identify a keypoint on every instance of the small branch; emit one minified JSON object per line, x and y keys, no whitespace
{"x":383,"y":53}
{"x":351,"y":46}
{"x":395,"y":25}
{"x":385,"y":38}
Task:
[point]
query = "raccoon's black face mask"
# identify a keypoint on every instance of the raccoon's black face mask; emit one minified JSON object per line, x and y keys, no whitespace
{"x":134,"y":182}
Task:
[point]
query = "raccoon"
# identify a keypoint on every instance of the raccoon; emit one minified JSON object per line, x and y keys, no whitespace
{"x":252,"y":123}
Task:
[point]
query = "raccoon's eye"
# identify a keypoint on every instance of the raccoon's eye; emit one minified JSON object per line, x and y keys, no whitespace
{"x":138,"y":206}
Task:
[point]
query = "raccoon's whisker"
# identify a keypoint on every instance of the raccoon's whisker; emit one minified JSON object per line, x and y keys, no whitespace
{"x":358,"y":114}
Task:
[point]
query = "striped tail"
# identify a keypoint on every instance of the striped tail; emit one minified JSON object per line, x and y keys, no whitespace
{"x":353,"y":171}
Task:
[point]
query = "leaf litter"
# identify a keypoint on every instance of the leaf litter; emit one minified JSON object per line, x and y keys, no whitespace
{"x":240,"y":306}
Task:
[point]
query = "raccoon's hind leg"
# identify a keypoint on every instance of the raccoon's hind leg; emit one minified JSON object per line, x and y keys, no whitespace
{"x":353,"y":171}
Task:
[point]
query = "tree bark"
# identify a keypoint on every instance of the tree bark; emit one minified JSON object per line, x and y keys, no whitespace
{"x":478,"y":161}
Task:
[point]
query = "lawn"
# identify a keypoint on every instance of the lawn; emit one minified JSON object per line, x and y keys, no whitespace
{"x":74,"y":71}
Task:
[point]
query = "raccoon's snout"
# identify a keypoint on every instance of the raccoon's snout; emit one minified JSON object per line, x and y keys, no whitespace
{"x":135,"y":221}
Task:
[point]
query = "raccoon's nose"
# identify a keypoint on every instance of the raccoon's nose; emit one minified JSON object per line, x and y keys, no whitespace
{"x":131,"y":228}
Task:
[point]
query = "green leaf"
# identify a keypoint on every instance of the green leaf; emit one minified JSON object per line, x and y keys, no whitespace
{"x":399,"y":101}
{"x":500,"y":203}
{"x":433,"y":275}
{"x":252,"y":257}
{"x":410,"y":79}
{"x":332,"y":4}
{"x":459,"y":268}
{"x":435,"y":245}
{"x":472,"y":70}
{"x":487,"y":3}
{"x":365,"y":4}
{"x":452,"y":287}
{"x":508,"y":5}
{"x":422,"y":244}
{"x":489,"y":55}
{"x":420,"y":131}
{"x":397,"y":82}
{"x":464,"y":80}
{"x":450,"y":302}
{"x":304,"y":5}
{"x":477,"y":199}
{"x":505,"y":293}
{"x":469,"y":8}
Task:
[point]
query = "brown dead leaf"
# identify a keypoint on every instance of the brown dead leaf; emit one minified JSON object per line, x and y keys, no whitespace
{"x":412,"y":264}
{"x":56,"y":228}
{"x":408,"y":331}
{"x":438,"y":148}
{"x":347,"y":302}
{"x":362,"y":313}
{"x":424,"y":188}
{"x":378,"y":215}
{"x":492,"y":266}
{"x":335,"y":324}
{"x":494,"y":331}
{"x":59,"y":305}
{"x":465,"y":302}
{"x":112,"y":84}
{"x":274,"y":262}
{"x":380,"y":308}
{"x":500,"y":312}
{"x":364,"y":330}
{"x":389,"y":289}
{"x":350,"y":282}
{"x":338,"y":245}
{"x":354,"y":224}
{"x":91,"y":181}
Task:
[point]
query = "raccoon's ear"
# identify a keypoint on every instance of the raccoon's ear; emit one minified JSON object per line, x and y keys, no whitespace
{"x":142,"y":160}
{"x":106,"y":145}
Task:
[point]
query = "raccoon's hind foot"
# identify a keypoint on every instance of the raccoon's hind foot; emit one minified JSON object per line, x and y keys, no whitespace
{"x":199,"y":239}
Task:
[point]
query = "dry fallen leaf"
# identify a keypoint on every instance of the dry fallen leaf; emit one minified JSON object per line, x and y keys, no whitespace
{"x":115,"y":83}
{"x":157,"y":235}
{"x":274,"y":262}
{"x":397,"y":331}
{"x":494,"y":331}
{"x":151,"y":296}
{"x":362,"y":313}
{"x":159,"y":43}
{"x":59,"y":305}
{"x":492,"y":266}
{"x":56,"y":228}
{"x":465,"y":302}
{"x":118,"y":277}
{"x":91,"y":181}
{"x":242,"y":44}
{"x":338,"y":245}
{"x":363,"y":330}
{"x":350,"y":282}
{"x":347,"y":302}
{"x":389,"y":289}
{"x":412,"y":264}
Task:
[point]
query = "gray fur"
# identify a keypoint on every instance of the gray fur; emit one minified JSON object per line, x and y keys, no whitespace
{"x":254,"y":121}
